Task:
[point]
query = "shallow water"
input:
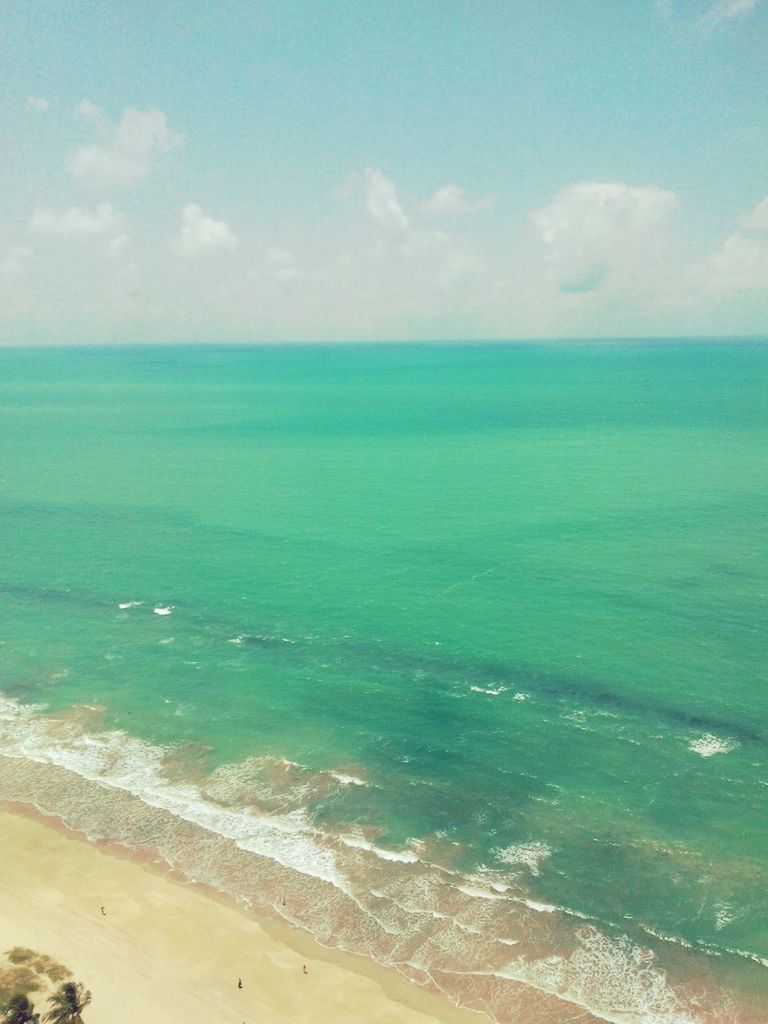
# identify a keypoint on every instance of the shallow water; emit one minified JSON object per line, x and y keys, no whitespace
{"x":464,"y":648}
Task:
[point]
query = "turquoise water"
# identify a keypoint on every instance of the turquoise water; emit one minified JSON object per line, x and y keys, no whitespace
{"x":433,"y":613}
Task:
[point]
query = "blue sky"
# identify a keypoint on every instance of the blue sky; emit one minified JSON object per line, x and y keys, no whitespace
{"x":339,"y":170}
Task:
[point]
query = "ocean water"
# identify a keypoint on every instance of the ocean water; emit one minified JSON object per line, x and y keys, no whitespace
{"x":452,"y":656}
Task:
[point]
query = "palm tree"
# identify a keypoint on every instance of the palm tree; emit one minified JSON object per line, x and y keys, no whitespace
{"x":67,"y":1003}
{"x":18,"y":1010}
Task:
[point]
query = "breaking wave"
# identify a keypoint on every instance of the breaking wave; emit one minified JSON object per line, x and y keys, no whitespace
{"x":245,"y":829}
{"x":709,"y":744}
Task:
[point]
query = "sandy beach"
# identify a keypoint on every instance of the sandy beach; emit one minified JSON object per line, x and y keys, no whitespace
{"x":172,"y":954}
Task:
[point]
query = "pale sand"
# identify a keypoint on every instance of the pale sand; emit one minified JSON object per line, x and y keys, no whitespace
{"x":171,"y":954}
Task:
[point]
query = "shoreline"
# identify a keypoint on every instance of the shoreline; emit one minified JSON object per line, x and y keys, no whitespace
{"x":454,"y":984}
{"x":173,"y":949}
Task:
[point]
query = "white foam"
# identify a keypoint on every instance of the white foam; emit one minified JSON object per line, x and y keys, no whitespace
{"x":357,"y":842}
{"x":521,"y":696}
{"x":578,"y":716}
{"x":348,"y":780}
{"x":612,"y":979}
{"x":724,"y":916}
{"x":478,"y":893}
{"x":116,"y":760}
{"x":163,"y":609}
{"x":123,"y":605}
{"x":708,"y":744}
{"x":491,"y":691}
{"x":676,"y":940}
{"x":529,"y":854}
{"x":745,"y":954}
{"x":541,"y":908}
{"x":468,"y":928}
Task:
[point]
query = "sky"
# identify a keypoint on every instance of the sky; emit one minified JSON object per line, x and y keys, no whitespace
{"x":275,"y":170}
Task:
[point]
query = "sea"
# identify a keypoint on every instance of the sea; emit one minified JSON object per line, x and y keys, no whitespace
{"x":452,"y":656}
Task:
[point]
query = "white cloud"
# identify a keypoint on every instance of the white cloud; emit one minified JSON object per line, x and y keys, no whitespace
{"x":118,"y":245}
{"x":75,"y":222}
{"x":725,"y":10}
{"x":452,"y":201}
{"x":16,"y":293}
{"x":201,"y":234}
{"x":741,"y":265}
{"x":348,"y":186}
{"x":757,"y":219}
{"x":594,"y":229}
{"x":402,"y":278}
{"x":124,"y":289}
{"x":597,"y":258}
{"x":38,"y":104}
{"x":127,"y":150}
{"x":720,"y":13}
{"x":14,"y":263}
{"x":88,"y":110}
{"x":282,"y":263}
{"x":383,"y":204}
{"x":422,"y":259}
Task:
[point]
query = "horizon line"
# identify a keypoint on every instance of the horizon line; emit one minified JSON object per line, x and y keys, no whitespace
{"x":586,"y":341}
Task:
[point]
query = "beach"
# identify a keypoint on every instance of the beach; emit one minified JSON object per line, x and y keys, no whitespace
{"x":173,"y":954}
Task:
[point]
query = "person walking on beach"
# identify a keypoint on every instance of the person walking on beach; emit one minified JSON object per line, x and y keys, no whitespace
{"x":239,"y":982}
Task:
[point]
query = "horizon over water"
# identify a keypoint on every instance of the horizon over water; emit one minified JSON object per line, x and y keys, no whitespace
{"x":452,"y":655}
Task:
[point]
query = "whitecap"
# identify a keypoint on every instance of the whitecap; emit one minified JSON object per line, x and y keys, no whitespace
{"x":724,"y":916}
{"x":478,"y":893}
{"x":676,"y":940}
{"x":708,"y":744}
{"x":163,"y":609}
{"x":357,"y":842}
{"x":123,"y":605}
{"x":348,"y":780}
{"x":541,"y":908}
{"x":531,"y":855}
{"x":746,"y":954}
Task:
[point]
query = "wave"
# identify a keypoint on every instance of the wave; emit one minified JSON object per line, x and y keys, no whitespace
{"x":529,"y":854}
{"x":246,"y":830}
{"x":358,"y":842}
{"x":708,"y":744}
